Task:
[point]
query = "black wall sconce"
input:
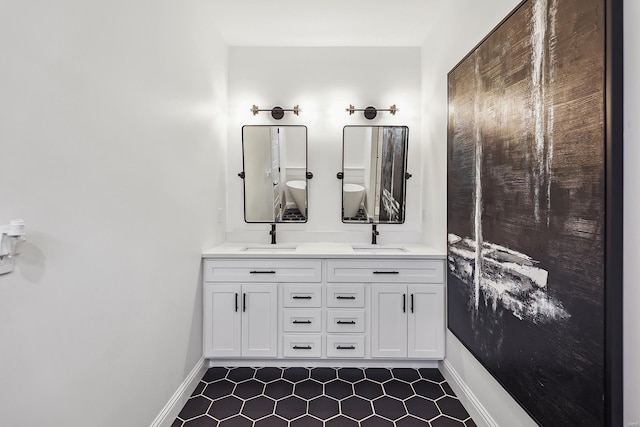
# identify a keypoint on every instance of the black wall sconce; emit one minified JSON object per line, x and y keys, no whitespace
{"x":276,"y":112}
{"x":370,"y":113}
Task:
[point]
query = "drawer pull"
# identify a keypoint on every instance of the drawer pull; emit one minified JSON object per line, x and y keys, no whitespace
{"x":262,"y":272}
{"x":345,"y":297}
{"x":301,"y":297}
{"x":244,"y":303}
{"x":236,"y":302}
{"x":386,"y":272}
{"x":302,"y":347}
{"x":345,"y":347}
{"x":412,"y":303}
{"x":299,"y":322}
{"x":346,"y":322}
{"x":404,"y":303}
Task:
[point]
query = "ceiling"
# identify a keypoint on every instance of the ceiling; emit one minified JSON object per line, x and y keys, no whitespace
{"x":326,"y":22}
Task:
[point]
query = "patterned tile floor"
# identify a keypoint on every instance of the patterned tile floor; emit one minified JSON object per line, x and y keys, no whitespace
{"x":293,"y":214}
{"x":323,"y":397}
{"x":360,"y":216}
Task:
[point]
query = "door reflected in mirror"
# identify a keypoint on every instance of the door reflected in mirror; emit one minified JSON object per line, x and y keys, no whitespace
{"x":374,"y":163}
{"x":274,"y":162}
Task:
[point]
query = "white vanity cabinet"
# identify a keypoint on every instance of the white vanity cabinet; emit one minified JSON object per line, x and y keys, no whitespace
{"x":407,"y":321}
{"x":302,"y":320}
{"x":406,"y":304}
{"x":241,"y":320}
{"x":241,"y":304}
{"x":346,"y":317}
{"x":320,"y":306}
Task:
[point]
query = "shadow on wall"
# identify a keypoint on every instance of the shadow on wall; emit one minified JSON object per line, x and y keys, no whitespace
{"x":31,"y":261}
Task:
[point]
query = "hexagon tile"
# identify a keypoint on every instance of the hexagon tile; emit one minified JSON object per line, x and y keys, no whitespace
{"x":323,"y":397}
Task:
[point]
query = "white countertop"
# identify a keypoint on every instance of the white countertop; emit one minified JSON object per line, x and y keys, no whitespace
{"x":322,"y":250}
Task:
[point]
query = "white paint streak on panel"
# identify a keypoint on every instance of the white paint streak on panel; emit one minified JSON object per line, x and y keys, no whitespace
{"x":509,"y":279}
{"x":478,"y":189}
{"x":538,"y":33}
{"x":553,"y":12}
{"x":537,"y":276}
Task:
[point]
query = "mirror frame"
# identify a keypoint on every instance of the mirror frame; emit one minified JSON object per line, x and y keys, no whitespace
{"x":405,"y":177}
{"x":307,"y":175}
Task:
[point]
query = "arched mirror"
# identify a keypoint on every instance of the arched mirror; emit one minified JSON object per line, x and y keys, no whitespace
{"x":274,"y":160}
{"x":374,"y":173}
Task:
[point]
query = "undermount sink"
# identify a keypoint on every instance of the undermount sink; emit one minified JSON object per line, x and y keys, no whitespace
{"x":379,"y":250}
{"x":322,"y":247}
{"x":265,"y":249}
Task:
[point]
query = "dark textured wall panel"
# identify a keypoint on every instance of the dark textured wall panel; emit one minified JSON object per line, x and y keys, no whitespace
{"x":526,"y":185}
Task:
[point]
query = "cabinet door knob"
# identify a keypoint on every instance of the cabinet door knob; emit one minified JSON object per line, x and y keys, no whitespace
{"x":244,"y":302}
{"x":236,"y":302}
{"x":404,"y":303}
{"x":412,"y":303}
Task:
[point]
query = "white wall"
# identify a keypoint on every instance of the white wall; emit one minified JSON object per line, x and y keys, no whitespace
{"x":112,"y":147}
{"x":631,"y":212}
{"x":437,"y":59}
{"x":324,"y":81}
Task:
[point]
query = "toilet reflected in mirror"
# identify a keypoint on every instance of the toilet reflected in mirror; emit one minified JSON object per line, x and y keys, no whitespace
{"x":298,"y":191}
{"x":352,"y":198}
{"x":374,"y":160}
{"x":274,"y":162}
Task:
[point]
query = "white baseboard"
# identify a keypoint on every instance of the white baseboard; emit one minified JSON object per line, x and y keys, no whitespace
{"x":323,"y":363}
{"x":171,"y":410}
{"x":469,"y":400}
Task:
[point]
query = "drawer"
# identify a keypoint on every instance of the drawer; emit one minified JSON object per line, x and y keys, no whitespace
{"x":302,"y":346}
{"x":345,"y":346}
{"x":302,"y":320}
{"x":262,"y":270}
{"x":345,"y":295}
{"x":345,"y":321}
{"x":386,"y":271}
{"x":302,"y":296}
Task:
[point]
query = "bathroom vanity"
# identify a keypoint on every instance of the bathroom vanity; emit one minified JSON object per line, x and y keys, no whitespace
{"x":324,"y":303}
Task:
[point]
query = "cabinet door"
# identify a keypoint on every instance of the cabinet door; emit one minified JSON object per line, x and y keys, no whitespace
{"x":259,"y":320}
{"x":222,"y":320}
{"x":426,"y":321}
{"x":388,"y":320}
